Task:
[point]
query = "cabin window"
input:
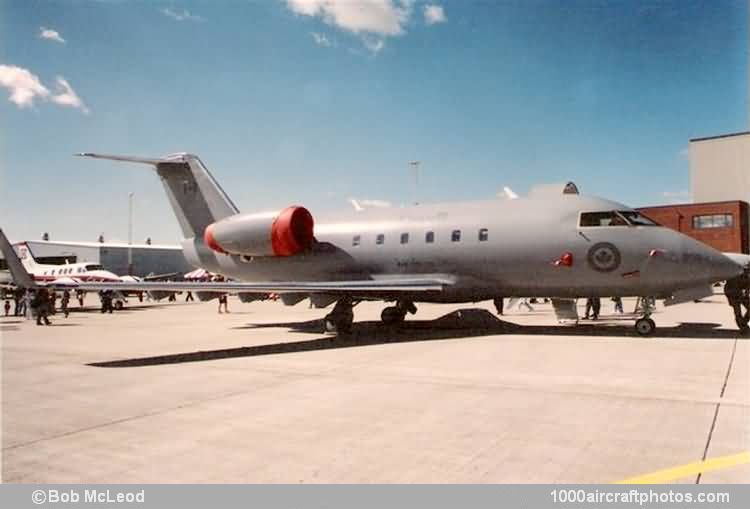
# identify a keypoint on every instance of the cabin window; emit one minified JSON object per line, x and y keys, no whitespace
{"x":355,"y":240}
{"x":429,"y":237}
{"x":483,"y":234}
{"x":713,"y":221}
{"x":404,"y":238}
{"x":456,"y":236}
{"x":380,"y":238}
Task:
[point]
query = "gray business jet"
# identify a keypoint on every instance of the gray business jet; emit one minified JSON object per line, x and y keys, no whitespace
{"x":554,"y":243}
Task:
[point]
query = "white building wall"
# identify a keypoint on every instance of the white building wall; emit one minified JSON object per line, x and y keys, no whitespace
{"x":720,"y":168}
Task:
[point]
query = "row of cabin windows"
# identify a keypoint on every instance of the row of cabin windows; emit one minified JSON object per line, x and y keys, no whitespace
{"x":429,"y":237}
{"x":64,"y":271}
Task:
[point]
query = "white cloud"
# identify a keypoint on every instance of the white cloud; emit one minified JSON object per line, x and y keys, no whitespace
{"x":50,"y":35}
{"x":375,"y":203}
{"x":434,"y":14}
{"x":360,"y":205}
{"x":373,"y":44}
{"x":373,"y":20}
{"x":321,"y":39}
{"x":181,"y":15}
{"x":25,"y":88}
{"x":382,"y":17}
{"x":66,"y":96}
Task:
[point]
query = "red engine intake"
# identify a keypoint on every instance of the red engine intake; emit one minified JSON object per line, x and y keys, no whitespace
{"x":208,"y":238}
{"x":265,"y":234}
{"x":292,"y":231}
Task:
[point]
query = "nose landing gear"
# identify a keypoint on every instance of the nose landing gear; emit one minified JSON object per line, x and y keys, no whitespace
{"x":645,"y":326}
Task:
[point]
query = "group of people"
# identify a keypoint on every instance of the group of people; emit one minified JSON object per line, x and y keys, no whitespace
{"x":594,"y":307}
{"x":39,"y":303}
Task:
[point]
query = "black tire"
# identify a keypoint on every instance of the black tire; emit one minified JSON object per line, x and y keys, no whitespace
{"x":645,"y":326}
{"x":392,"y":315}
{"x":119,"y":305}
{"x":337,"y":326}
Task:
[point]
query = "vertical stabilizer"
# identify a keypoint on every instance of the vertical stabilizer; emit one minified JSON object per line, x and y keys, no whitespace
{"x":195,"y":196}
{"x":20,"y":276}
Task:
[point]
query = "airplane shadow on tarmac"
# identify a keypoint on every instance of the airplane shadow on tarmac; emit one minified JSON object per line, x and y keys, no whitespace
{"x":465,"y":323}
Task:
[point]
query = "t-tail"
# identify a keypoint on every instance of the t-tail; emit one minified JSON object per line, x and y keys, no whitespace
{"x":26,"y":257}
{"x":15,"y":264}
{"x":195,"y":196}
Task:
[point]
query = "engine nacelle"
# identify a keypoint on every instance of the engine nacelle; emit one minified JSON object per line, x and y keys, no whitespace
{"x":282,"y":233}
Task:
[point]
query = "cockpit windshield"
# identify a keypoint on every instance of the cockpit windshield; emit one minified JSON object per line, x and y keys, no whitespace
{"x":94,"y":266}
{"x":615,"y":218}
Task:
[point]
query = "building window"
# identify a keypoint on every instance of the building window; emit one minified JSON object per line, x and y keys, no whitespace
{"x":483,"y":234}
{"x":404,"y":238}
{"x":456,"y":236}
{"x":355,"y":240}
{"x":429,"y":237}
{"x":380,"y":238}
{"x":712,"y":221}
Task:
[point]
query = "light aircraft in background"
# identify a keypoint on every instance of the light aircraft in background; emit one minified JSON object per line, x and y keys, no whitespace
{"x":553,"y":243}
{"x":64,"y":273}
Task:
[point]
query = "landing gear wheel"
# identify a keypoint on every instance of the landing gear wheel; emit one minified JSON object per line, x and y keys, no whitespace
{"x":339,"y":325}
{"x":119,"y":305}
{"x":645,"y":326}
{"x":393,"y":315}
{"x":340,"y":319}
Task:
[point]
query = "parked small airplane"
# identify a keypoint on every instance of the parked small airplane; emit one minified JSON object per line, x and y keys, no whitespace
{"x":69,"y":271}
{"x":554,"y":243}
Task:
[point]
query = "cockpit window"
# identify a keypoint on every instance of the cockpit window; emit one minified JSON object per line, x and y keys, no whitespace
{"x":93,"y":266}
{"x":637,"y":219}
{"x":615,"y":218}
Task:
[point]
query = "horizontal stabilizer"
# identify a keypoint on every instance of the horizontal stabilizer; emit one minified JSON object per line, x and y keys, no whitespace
{"x":128,"y":159}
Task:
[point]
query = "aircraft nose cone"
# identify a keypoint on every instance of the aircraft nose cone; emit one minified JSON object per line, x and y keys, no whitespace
{"x":712,"y":264}
{"x":725,"y":268}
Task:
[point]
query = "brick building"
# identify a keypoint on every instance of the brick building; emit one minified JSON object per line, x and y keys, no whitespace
{"x":722,"y":225}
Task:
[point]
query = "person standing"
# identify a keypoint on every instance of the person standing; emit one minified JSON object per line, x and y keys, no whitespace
{"x":597,"y":307}
{"x":499,"y":305}
{"x":618,"y":304}
{"x":43,"y":303}
{"x":7,"y":307}
{"x":189,"y":296}
{"x":64,"y":302}
{"x":79,"y":296}
{"x":26,"y":310}
{"x":223,"y":302}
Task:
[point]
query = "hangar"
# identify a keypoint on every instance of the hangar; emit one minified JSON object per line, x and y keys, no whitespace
{"x":146,"y":258}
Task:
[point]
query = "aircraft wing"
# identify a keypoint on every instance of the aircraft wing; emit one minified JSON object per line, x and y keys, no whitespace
{"x":398,"y":284}
{"x":368,"y":286}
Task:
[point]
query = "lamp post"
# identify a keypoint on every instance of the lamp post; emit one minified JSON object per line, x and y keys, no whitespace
{"x":415,"y":167}
{"x":130,"y":234}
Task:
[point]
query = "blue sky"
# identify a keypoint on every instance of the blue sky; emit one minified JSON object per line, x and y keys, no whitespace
{"x":319,"y":101}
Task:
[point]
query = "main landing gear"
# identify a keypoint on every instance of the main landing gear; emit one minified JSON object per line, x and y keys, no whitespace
{"x":394,"y":315}
{"x":340,"y":319}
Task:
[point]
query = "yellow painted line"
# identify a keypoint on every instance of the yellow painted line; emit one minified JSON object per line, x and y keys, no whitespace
{"x":670,"y":474}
